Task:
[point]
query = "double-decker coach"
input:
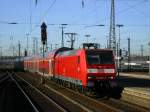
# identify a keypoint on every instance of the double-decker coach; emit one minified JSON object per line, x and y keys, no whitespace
{"x":31,"y":63}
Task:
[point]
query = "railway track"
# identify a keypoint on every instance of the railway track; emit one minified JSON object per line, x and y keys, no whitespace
{"x":40,"y":96}
{"x":117,"y":104}
{"x":3,"y":78}
{"x":25,"y":95}
{"x":38,"y":101}
{"x":12,"y":96}
{"x":71,"y":101}
{"x":95,"y":105}
{"x":59,"y":100}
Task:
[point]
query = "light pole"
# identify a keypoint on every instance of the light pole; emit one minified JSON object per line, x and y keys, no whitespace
{"x":149,"y":56}
{"x":129,"y":55}
{"x":12,"y":45}
{"x":1,"y":52}
{"x":27,"y":43}
{"x":118,"y":47}
{"x":62,"y":34}
{"x":72,"y":39}
{"x":56,"y":46}
{"x":87,"y":36}
{"x":19,"y":50}
{"x":35,"y":46}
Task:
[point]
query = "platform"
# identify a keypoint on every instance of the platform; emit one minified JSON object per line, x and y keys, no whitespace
{"x":138,"y":82}
{"x":137,"y":86}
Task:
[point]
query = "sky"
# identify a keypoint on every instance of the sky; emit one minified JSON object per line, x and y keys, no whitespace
{"x":133,"y":14}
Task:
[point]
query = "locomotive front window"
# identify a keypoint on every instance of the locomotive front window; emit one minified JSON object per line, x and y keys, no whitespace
{"x":93,"y":59}
{"x":100,"y":57}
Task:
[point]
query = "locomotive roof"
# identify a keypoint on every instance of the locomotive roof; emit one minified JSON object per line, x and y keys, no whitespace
{"x":76,"y":51}
{"x":98,"y":49}
{"x":56,"y":51}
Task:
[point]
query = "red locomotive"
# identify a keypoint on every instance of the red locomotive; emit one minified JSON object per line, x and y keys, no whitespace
{"x":87,"y":69}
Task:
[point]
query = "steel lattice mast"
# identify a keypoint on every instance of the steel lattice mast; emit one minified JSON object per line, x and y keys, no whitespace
{"x":112,"y":33}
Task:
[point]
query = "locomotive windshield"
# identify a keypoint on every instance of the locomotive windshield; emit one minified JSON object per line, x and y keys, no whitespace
{"x":100,"y":57}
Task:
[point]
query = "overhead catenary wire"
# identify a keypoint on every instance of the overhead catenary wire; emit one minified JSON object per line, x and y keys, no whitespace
{"x":139,"y":11}
{"x":122,"y":0}
{"x":45,"y":14}
{"x":54,"y":1}
{"x":48,"y":9}
{"x":140,"y":2}
{"x":87,"y":16}
{"x":133,"y":6}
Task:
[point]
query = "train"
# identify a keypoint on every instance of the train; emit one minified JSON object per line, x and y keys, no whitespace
{"x":87,"y":69}
{"x":11,"y":63}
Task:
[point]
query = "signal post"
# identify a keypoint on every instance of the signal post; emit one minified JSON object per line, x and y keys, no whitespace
{"x":44,"y":42}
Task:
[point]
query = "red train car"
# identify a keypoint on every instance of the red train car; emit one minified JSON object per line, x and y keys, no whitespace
{"x":47,"y":64}
{"x":44,"y":66}
{"x":31,"y":64}
{"x":92,"y":69}
{"x":85,"y":67}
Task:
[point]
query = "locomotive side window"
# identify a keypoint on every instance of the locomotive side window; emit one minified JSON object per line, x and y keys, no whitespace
{"x":100,"y":57}
{"x":68,"y":53}
{"x":78,"y":59}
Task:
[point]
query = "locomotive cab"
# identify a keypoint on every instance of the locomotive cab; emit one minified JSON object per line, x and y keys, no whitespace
{"x":101,"y":72}
{"x":100,"y":64}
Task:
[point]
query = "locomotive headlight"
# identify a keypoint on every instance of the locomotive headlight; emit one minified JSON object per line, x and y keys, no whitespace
{"x":111,"y":77}
{"x":101,"y":70}
{"x":89,"y":77}
{"x":92,"y":70}
{"x":109,"y":70}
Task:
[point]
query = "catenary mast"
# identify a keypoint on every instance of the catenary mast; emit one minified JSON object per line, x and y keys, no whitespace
{"x":112,"y":33}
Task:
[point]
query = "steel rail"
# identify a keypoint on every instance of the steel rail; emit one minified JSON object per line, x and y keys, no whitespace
{"x":69,"y":99}
{"x":3,"y":78}
{"x":26,"y":96}
{"x":95,"y":101}
{"x":45,"y":96}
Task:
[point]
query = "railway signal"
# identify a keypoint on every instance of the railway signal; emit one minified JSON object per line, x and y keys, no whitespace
{"x":44,"y":42}
{"x":82,"y":3}
{"x":25,"y":53}
{"x":43,"y":33}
